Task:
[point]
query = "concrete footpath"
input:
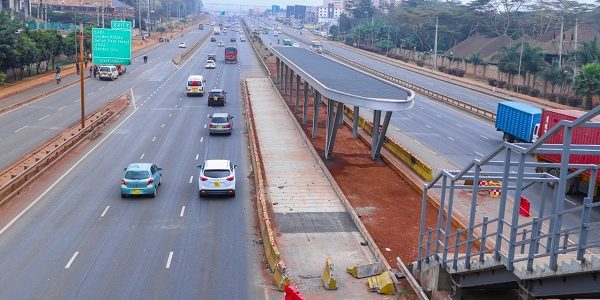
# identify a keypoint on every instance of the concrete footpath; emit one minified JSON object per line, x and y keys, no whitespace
{"x":311,"y":220}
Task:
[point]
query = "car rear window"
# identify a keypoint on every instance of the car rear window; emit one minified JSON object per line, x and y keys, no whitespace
{"x":104,"y":69}
{"x":215,"y":93}
{"x":137,"y":175}
{"x":216,"y":173}
{"x":194,"y":83}
{"x":219,"y":120}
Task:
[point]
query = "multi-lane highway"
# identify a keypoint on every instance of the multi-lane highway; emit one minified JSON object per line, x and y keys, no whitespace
{"x":82,"y":241}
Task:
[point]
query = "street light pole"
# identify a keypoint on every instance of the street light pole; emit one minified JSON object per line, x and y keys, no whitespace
{"x":81,"y":79}
{"x":520,"y":60}
{"x":435,"y":46}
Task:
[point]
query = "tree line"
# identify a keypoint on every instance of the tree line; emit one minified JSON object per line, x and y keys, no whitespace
{"x":412,"y":26}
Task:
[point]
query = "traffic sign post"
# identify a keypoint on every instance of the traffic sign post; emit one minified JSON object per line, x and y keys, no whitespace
{"x":111,"y":46}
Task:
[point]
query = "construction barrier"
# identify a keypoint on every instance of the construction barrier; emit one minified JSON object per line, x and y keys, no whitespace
{"x":328,"y":278}
{"x":365,"y":270}
{"x":291,"y":293}
{"x":524,"y":207}
{"x":382,"y":284}
{"x":495,"y":193}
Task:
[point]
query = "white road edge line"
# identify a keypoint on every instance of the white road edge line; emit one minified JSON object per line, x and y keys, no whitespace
{"x":105,"y":210}
{"x":43,"y":117}
{"x":182,"y":211}
{"x":24,"y":211}
{"x":169,"y":260}
{"x":133,"y":99}
{"x":191,"y":178}
{"x":28,"y":126}
{"x":72,"y":259}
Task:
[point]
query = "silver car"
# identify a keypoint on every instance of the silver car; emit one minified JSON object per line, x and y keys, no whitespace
{"x":216,"y":176}
{"x":220,"y":123}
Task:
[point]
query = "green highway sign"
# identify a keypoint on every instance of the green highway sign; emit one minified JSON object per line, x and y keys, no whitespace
{"x":111,"y":46}
{"x":120,"y":25}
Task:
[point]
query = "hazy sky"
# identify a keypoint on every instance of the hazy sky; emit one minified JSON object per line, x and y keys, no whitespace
{"x":235,"y":4}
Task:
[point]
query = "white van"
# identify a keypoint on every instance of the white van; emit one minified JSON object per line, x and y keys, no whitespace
{"x":195,"y":85}
{"x":108,"y":72}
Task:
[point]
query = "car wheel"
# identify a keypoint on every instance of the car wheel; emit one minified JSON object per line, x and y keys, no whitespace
{"x":229,"y":133}
{"x":153,"y":195}
{"x":123,"y":195}
{"x":200,"y":194}
{"x":232,"y":194}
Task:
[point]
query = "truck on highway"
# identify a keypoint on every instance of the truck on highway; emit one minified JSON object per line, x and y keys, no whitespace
{"x":231,"y":55}
{"x":581,"y":136}
{"x":217,"y":30}
{"x":518,"y":121}
{"x":316,"y":46}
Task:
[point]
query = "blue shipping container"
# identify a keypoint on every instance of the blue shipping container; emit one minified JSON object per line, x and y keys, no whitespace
{"x":517,"y":119}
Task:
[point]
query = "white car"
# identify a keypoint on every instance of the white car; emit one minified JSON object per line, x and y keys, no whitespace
{"x":295,"y":45}
{"x":216,"y":176}
{"x":220,"y":44}
{"x":108,"y":72}
{"x":242,"y":38}
{"x":182,"y":45}
{"x":210,"y":64}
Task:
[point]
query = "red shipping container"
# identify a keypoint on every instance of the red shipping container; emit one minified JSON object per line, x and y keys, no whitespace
{"x":581,"y":136}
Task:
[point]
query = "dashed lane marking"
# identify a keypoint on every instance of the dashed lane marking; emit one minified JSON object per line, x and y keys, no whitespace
{"x":191,"y":178}
{"x":169,"y":260}
{"x":28,"y":126}
{"x":427,"y":126}
{"x":483,"y":136}
{"x":182,"y":211}
{"x":197,"y":156}
{"x":71,"y":260}
{"x":163,"y":125}
{"x":62,"y":108}
{"x":105,"y":210}
{"x":154,"y":139}
{"x":451,"y":139}
{"x":202,"y":138}
{"x":142,"y":157}
{"x":43,"y":117}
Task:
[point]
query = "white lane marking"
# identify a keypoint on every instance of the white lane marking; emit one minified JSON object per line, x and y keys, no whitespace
{"x":170,"y":115}
{"x":169,"y":260}
{"x":208,"y":115}
{"x":105,"y":210}
{"x":191,"y":178}
{"x":88,"y":94}
{"x":182,"y":211}
{"x":409,"y":116}
{"x":28,"y":126}
{"x":163,"y":125}
{"x":197,"y":155}
{"x":483,"y":136}
{"x":438,"y":116}
{"x":204,"y":125}
{"x":570,"y":201}
{"x":154,"y":139}
{"x":451,"y":139}
{"x":142,"y":157}
{"x":133,"y":99}
{"x":77,"y":100}
{"x":478,"y":153}
{"x":34,"y":202}
{"x":71,"y":260}
{"x":202,"y":138}
{"x":62,"y":108}
{"x":100,"y":88}
{"x":427,"y":126}
{"x":43,"y":117}
{"x":175,"y":105}
{"x":459,"y":125}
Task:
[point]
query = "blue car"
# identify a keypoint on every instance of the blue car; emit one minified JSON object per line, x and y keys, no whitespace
{"x":141,"y":179}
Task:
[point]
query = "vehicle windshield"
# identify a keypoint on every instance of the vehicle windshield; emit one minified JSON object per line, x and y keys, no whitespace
{"x":216,"y":173}
{"x":219,"y":120}
{"x":194,"y":83}
{"x":137,"y":175}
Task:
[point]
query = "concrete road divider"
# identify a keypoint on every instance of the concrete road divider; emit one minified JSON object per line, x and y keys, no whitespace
{"x":365,"y":270}
{"x":25,"y":170}
{"x":328,"y":279}
{"x":382,"y":284}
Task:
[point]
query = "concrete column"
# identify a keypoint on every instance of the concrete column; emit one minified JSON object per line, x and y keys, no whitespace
{"x":297,"y":92}
{"x":291,"y":86}
{"x":355,"y":122}
{"x":277,"y":67}
{"x":305,"y":106}
{"x":285,"y":80}
{"x":316,"y":114}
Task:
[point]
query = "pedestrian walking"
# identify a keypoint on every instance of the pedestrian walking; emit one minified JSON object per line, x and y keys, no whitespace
{"x":77,"y":67}
{"x":95,"y":71}
{"x":57,"y":77}
{"x":91,"y":70}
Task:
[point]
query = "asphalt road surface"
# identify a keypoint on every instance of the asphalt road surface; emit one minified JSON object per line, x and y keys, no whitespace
{"x":82,"y":241}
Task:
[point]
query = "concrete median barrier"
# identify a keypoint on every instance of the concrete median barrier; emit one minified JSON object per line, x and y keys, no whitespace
{"x":276,"y":264}
{"x":26,"y":169}
{"x":365,"y":270}
{"x":328,"y":279}
{"x":382,"y":284}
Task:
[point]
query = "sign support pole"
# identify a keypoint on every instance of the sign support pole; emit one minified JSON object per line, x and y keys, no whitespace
{"x":81,"y":77}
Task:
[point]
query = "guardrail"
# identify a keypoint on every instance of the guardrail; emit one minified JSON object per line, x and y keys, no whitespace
{"x":22,"y":172}
{"x":276,"y":264}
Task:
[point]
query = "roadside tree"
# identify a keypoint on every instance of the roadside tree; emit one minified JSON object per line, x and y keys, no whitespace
{"x":587,"y":83}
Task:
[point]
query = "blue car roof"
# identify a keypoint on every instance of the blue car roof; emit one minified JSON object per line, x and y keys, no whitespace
{"x":139,"y":166}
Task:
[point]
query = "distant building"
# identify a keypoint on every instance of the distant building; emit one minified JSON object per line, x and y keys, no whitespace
{"x":275,"y":9}
{"x":289,"y":11}
{"x":112,"y":8}
{"x":386,"y":3}
{"x":21,"y":6}
{"x":330,"y":11}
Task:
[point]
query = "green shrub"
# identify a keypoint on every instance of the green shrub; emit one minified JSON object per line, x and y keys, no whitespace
{"x":2,"y":78}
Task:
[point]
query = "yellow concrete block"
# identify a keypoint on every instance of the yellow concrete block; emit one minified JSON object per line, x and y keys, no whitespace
{"x":328,"y":279}
{"x":382,"y":284}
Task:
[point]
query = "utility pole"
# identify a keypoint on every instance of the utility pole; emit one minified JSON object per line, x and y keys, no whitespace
{"x":140,"y":18}
{"x":98,"y":14}
{"x":81,"y":79}
{"x":102,"y":15}
{"x":560,"y":47}
{"x":575,"y":50}
{"x":148,"y":21}
{"x":435,"y":45}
